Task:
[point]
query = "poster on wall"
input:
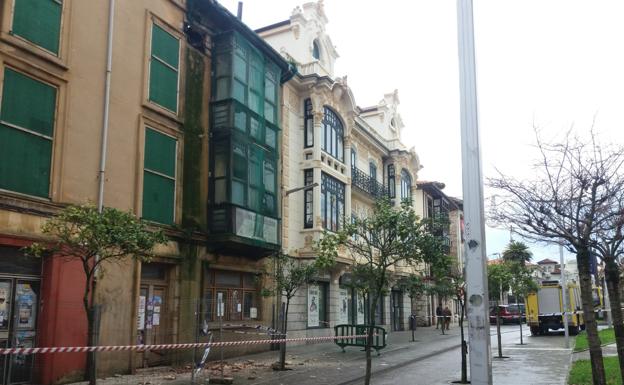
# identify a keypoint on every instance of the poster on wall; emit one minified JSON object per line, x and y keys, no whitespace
{"x":343,"y":311}
{"x":313,"y":305}
{"x":360,"y":308}
{"x":141,"y":313}
{"x":26,"y":306}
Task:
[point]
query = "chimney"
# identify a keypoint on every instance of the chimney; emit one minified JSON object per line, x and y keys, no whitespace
{"x":239,"y":14}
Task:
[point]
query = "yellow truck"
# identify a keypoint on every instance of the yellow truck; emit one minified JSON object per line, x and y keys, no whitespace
{"x":544,"y":309}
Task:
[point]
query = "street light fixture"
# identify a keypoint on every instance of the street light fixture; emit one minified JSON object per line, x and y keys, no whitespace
{"x":308,"y":187}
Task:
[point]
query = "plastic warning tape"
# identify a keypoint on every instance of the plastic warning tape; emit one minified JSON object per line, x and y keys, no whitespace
{"x":143,"y":348}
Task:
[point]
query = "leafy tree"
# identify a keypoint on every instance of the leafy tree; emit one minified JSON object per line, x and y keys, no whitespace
{"x":521,"y":283}
{"x":518,"y":252}
{"x":391,"y":236}
{"x":499,"y":278}
{"x":575,"y":193}
{"x":288,"y":275}
{"x":81,"y":233}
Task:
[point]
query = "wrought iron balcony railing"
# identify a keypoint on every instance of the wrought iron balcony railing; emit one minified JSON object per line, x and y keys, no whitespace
{"x":367,"y":184}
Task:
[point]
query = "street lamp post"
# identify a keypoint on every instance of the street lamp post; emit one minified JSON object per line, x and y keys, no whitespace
{"x":476,"y":277}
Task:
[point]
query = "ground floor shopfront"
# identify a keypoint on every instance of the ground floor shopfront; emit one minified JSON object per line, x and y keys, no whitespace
{"x":40,"y":305}
{"x":331,"y":300}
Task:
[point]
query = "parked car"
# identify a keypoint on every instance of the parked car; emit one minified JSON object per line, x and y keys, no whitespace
{"x":512,"y":313}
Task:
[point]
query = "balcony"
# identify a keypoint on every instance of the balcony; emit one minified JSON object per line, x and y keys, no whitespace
{"x":446,"y":244}
{"x":368,"y":184}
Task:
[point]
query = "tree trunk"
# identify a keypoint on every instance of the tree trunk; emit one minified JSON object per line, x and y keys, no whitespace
{"x":464,"y":346}
{"x":282,"y":360}
{"x":612,"y":275}
{"x":92,"y":312}
{"x":591,"y":327}
{"x":369,"y":339}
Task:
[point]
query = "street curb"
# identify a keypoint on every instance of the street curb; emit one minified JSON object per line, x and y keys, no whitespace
{"x":587,"y":349}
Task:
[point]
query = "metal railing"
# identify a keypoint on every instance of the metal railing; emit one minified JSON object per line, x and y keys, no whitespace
{"x":367,"y":184}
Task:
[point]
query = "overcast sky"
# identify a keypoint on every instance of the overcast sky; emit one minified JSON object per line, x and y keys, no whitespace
{"x":555,"y":63}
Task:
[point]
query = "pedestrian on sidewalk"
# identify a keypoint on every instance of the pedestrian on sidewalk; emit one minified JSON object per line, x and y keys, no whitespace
{"x":439,"y":320}
{"x":447,"y":317}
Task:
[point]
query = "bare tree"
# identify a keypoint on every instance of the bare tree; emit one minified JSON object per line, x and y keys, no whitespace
{"x":608,"y":247}
{"x":570,"y":199}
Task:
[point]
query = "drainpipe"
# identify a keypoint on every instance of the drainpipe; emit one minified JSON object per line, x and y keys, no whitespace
{"x":107,"y":86}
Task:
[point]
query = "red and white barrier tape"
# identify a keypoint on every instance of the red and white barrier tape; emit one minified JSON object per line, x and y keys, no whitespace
{"x":142,"y":348}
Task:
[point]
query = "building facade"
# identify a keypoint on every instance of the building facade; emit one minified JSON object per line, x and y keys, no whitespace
{"x":182,"y":72}
{"x":353,"y":155}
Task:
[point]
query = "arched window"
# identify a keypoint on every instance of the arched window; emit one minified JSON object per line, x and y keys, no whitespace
{"x":406,"y":185}
{"x":332,"y":134}
{"x":316,"y":51}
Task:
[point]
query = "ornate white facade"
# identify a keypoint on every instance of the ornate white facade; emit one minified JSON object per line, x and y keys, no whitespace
{"x":353,"y":154}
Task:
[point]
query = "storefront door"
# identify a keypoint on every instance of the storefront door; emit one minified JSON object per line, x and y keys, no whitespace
{"x":19,"y":303}
{"x":152,"y":315}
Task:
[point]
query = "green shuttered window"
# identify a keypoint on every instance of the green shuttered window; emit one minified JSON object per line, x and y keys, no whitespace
{"x":26,"y":131}
{"x":159,"y":177}
{"x":164,"y":63}
{"x":39,"y":21}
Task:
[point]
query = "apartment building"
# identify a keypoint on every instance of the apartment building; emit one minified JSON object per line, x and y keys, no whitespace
{"x":354,"y":155}
{"x":182,"y":72}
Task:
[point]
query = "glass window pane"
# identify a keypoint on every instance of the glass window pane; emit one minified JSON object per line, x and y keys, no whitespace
{"x":255,"y":199}
{"x":255,"y":128}
{"x":269,"y":204}
{"x":269,"y":176}
{"x":240,"y":68}
{"x":238,"y":193}
{"x":270,"y":137}
{"x":240,"y":119}
{"x":255,"y":166}
{"x":223,"y":88}
{"x":38,"y":21}
{"x":239,"y":91}
{"x":220,"y":191}
{"x":240,"y":162}
{"x":255,"y":102}
{"x":269,"y":112}
{"x":269,"y":91}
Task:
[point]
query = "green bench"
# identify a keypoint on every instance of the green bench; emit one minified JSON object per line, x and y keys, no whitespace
{"x":379,"y":336}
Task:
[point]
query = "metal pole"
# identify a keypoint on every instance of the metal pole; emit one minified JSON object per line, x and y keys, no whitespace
{"x":607,"y":304}
{"x":564,"y":294}
{"x":476,"y":276}
{"x":498,"y":333}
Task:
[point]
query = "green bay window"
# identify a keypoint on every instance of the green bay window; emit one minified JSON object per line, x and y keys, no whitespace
{"x":332,"y":202}
{"x":159,"y":177}
{"x":38,"y":21}
{"x":27,"y":118}
{"x":244,"y":145}
{"x":164,"y":68}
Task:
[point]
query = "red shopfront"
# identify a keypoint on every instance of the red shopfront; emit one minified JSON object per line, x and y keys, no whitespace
{"x":40,"y":305}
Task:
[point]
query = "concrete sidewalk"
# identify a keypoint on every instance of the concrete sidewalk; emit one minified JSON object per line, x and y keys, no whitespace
{"x":432,"y":359}
{"x":311,"y":364}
